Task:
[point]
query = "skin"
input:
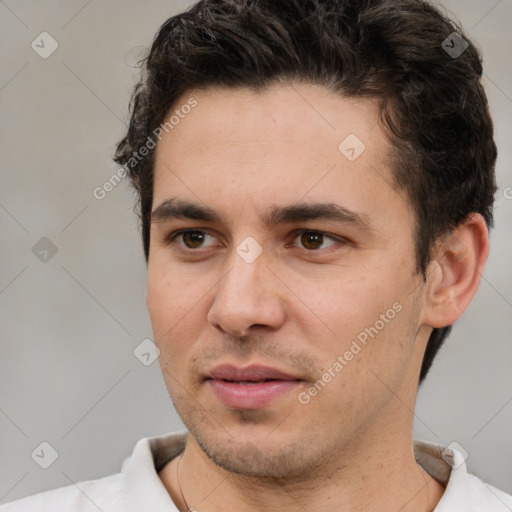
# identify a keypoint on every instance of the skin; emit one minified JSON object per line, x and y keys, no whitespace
{"x":298,"y":306}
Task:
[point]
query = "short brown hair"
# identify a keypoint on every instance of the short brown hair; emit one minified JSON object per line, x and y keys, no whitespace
{"x":432,"y":103}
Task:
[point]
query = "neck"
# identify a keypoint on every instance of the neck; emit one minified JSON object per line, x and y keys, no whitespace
{"x":384,"y":477}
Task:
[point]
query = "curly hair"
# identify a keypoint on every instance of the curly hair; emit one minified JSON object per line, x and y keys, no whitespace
{"x":432,"y":104}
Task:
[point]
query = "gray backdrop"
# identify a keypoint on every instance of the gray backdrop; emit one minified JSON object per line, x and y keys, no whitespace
{"x":72,"y":273}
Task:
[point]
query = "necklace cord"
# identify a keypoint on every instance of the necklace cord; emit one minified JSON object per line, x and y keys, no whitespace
{"x":179,"y":485}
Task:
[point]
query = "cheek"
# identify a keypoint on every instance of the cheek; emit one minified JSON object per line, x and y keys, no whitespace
{"x":170,"y":302}
{"x":348,"y":304}
{"x":369,"y":357}
{"x":365,"y":318}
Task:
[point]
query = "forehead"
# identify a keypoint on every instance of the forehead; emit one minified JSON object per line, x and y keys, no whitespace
{"x":280,"y":115}
{"x":274,"y":146}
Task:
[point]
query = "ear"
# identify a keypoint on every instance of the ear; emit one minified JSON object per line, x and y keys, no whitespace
{"x":453,"y":276}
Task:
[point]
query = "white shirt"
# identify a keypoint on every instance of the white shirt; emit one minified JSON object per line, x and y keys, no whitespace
{"x":138,"y":488}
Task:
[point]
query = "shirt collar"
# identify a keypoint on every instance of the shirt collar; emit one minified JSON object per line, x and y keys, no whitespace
{"x":142,"y":488}
{"x":463,"y":491}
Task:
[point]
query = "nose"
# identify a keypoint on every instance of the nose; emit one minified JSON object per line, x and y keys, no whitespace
{"x":247,"y":297}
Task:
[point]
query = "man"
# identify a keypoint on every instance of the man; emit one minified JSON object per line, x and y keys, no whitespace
{"x":316,"y":181}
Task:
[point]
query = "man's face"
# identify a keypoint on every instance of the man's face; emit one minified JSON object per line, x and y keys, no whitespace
{"x":333,"y":303}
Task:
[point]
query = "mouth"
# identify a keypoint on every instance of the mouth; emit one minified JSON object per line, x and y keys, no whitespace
{"x":251,"y":387}
{"x":248,"y":382}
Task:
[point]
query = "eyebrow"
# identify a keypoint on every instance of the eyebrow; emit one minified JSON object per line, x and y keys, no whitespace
{"x":175,"y":208}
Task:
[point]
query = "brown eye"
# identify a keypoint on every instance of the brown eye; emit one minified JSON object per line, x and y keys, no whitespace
{"x":311,"y":240}
{"x":314,"y":240}
{"x":193,"y":239}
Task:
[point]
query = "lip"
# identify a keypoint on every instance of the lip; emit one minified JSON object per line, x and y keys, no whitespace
{"x":254,"y":372}
{"x":269,"y":385}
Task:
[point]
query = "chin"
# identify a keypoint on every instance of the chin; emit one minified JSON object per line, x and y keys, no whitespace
{"x":261,"y":459}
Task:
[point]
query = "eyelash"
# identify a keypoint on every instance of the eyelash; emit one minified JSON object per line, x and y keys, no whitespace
{"x":340,"y":240}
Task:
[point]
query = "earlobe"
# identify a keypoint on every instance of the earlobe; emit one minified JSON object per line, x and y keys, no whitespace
{"x":455,"y":272}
